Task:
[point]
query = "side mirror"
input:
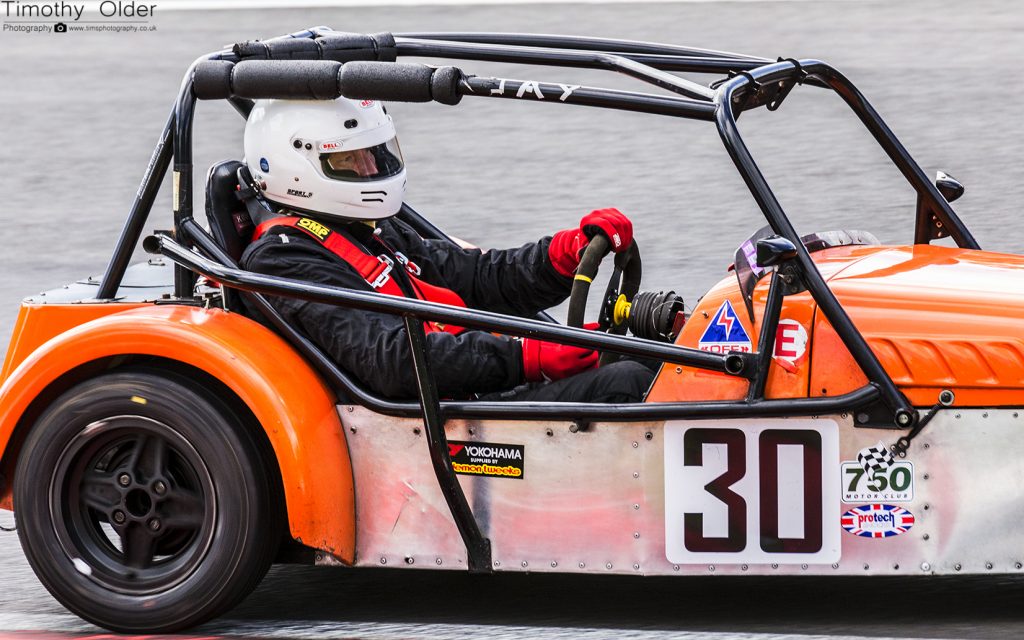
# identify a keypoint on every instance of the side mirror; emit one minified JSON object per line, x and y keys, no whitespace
{"x":771,"y":251}
{"x":948,"y":186}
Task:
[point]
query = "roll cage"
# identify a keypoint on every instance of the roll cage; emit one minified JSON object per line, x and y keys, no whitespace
{"x":309,"y":64}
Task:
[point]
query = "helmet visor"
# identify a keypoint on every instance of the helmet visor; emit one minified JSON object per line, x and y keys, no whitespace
{"x":363,"y":165}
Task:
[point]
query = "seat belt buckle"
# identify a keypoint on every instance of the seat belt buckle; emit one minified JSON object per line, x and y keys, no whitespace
{"x":409,"y":265}
{"x":381,"y":278}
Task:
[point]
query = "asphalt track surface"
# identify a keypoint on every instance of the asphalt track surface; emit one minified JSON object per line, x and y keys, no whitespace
{"x":79,"y":114}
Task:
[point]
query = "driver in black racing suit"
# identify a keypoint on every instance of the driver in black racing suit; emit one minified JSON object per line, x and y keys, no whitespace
{"x":339,"y":164}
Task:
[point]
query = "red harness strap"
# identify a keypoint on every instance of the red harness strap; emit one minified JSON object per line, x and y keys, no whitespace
{"x":376,"y":270}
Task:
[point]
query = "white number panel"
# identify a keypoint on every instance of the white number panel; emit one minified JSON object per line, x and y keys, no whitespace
{"x":752,"y":491}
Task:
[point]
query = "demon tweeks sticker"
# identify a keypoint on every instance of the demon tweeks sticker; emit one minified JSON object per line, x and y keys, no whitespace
{"x":877,"y":521}
{"x":876,"y":476}
{"x":490,"y":459}
{"x":725,"y":332}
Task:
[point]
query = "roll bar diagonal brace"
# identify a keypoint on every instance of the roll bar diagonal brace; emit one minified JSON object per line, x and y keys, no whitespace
{"x":314,"y":63}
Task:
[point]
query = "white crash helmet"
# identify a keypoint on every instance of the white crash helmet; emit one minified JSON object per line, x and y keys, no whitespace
{"x":336,"y":158}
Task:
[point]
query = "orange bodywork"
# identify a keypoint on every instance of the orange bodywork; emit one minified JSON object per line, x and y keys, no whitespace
{"x":936,"y":317}
{"x":288,"y":399}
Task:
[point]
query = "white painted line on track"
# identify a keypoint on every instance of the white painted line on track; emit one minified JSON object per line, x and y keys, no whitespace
{"x":301,"y":629}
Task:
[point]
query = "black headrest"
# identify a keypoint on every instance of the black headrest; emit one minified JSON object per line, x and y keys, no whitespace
{"x":229,"y":221}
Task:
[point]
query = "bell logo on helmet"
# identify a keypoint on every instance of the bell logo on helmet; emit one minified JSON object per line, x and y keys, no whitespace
{"x":366,"y":104}
{"x":330,"y":146}
{"x":301,"y":194}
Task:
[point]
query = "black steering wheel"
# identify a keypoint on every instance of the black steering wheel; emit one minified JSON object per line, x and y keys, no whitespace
{"x":622,"y":287}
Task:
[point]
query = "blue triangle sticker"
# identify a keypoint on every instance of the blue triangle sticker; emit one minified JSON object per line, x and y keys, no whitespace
{"x":725,"y":332}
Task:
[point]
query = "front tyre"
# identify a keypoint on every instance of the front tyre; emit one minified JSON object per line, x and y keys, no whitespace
{"x":143,"y":503}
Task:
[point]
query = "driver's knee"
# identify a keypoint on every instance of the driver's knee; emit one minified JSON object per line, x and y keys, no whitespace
{"x":620,"y":382}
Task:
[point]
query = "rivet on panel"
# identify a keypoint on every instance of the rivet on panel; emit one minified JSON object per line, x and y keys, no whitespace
{"x":743,"y":567}
{"x":679,"y":369}
{"x":635,"y":444}
{"x":835,"y":565}
{"x":925,"y":476}
{"x":988,"y":565}
{"x":549,"y":432}
{"x":554,"y":564}
{"x":925,"y":566}
{"x":636,"y":535}
{"x":648,"y":435}
{"x":927,"y":507}
{"x":437,"y":561}
{"x":583,"y":565}
{"x":497,"y":563}
{"x":804,"y":567}
{"x":608,"y":565}
{"x":775,"y":566}
{"x":1018,"y":565}
{"x":416,"y":430}
{"x":984,"y":415}
{"x":410,"y":560}
{"x":675,"y":567}
{"x":926,"y":537}
{"x":866,"y":567}
{"x":524,"y":564}
{"x":957,"y":566}
{"x":350,"y":409}
{"x":927,"y":446}
{"x":383,"y":560}
{"x":636,"y":506}
{"x":711,"y":567}
{"x":352,"y":429}
{"x":636,"y":566}
{"x":636,"y":474}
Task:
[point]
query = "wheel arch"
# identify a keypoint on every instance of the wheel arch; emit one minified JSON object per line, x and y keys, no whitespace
{"x":261,"y":374}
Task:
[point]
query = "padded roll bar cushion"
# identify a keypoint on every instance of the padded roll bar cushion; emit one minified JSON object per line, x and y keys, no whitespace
{"x":444,"y":85}
{"x":292,"y":79}
{"x":387,"y":49}
{"x":397,"y":81}
{"x":211,"y":79}
{"x":400,"y":82}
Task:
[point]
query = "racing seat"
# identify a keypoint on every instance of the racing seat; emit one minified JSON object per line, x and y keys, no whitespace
{"x":227,"y":216}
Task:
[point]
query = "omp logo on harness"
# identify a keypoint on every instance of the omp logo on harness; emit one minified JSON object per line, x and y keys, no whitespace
{"x":725,"y":332}
{"x":314,"y":227}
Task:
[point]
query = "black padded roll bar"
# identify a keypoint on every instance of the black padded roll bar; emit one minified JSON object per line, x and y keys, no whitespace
{"x":336,"y":45}
{"x":326,"y":80}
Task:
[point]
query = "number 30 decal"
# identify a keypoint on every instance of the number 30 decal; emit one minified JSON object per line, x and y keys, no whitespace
{"x":739,"y":491}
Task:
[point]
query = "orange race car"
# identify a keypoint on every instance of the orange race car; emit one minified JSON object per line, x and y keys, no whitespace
{"x":834,"y":406}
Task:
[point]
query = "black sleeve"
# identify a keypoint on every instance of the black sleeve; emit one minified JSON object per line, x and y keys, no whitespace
{"x":374,"y":347}
{"x":518,"y":281}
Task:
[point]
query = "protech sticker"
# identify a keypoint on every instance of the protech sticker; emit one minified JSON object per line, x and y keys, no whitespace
{"x":490,"y":459}
{"x":877,"y":521}
{"x":876,"y":476}
{"x":725,"y":333}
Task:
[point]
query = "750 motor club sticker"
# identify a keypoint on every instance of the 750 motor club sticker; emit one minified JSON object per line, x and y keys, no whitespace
{"x":489,"y":459}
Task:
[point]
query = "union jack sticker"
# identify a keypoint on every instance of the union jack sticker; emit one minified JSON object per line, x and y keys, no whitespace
{"x":877,"y":521}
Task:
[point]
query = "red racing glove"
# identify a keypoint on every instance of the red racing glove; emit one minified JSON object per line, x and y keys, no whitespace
{"x":567,"y":246}
{"x":552,"y":361}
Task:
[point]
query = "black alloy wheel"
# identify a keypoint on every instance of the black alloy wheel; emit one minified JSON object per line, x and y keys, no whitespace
{"x":144,"y":504}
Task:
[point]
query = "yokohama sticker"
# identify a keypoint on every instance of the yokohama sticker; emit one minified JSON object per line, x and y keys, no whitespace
{"x":877,"y":521}
{"x":489,"y":459}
